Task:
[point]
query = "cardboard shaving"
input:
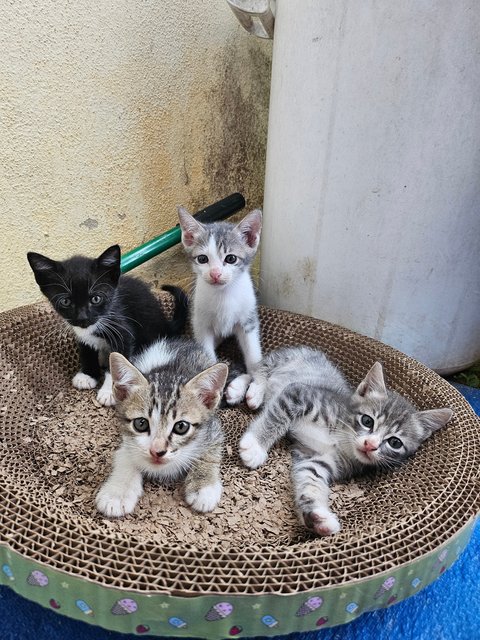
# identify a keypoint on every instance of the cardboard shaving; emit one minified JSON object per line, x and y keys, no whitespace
{"x":73,"y":448}
{"x":57,"y":445}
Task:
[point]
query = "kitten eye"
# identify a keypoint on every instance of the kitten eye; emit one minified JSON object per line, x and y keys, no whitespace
{"x":395,"y":443}
{"x":367,"y":421}
{"x":202,"y":259}
{"x":141,"y":425}
{"x":64,"y":302}
{"x":230,"y":259}
{"x":96,"y":299}
{"x":181,"y":427}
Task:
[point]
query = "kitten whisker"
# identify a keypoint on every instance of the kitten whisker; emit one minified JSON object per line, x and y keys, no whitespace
{"x":60,"y":332}
{"x":91,"y":287}
{"x":345,"y":424}
{"x":57,"y":295}
{"x":115,"y":321}
{"x":65,"y":284}
{"x":116,"y":338}
{"x":58,"y":284}
{"x":388,"y":463}
{"x":126,"y":318}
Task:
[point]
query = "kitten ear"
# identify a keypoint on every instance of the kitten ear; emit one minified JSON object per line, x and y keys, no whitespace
{"x":110,"y":257}
{"x":39,"y":262}
{"x":125,"y":377}
{"x":42,"y":267}
{"x":433,"y":419}
{"x":191,"y":228}
{"x":250,"y":228}
{"x":373,"y":382}
{"x":208,"y":385}
{"x":109,"y":263}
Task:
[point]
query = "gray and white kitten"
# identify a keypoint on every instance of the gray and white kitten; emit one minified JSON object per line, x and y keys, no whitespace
{"x":336,"y":431}
{"x":224,"y":301}
{"x":166,"y":404}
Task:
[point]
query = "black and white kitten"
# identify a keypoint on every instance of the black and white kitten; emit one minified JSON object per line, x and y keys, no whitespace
{"x":336,"y":431}
{"x":107,"y":311}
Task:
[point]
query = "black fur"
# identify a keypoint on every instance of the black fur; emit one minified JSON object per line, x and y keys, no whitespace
{"x":84,"y":291}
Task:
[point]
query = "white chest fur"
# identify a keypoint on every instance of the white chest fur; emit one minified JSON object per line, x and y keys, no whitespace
{"x":219,"y":309}
{"x":87,"y":337}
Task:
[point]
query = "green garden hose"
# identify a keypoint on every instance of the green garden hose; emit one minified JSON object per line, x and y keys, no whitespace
{"x":216,"y":211}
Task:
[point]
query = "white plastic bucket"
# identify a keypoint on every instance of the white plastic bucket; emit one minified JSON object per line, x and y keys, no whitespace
{"x":372,"y":193}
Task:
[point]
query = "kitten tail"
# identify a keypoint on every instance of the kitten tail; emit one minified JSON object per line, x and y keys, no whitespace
{"x":180,"y":312}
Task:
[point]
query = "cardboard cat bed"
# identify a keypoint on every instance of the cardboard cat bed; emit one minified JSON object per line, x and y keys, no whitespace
{"x":247,"y":569}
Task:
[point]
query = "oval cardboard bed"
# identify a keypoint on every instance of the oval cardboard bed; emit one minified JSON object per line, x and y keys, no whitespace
{"x":247,"y":569}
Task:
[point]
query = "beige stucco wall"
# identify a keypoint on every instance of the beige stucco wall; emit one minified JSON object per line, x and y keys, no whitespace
{"x":111,"y":112}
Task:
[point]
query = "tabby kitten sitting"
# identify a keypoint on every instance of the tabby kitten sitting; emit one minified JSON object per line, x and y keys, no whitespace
{"x":105,"y":310}
{"x":224,"y":301}
{"x":166,"y":408}
{"x":336,"y":431}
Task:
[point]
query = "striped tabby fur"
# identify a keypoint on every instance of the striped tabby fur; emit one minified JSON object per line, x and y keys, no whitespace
{"x":336,"y":431}
{"x":166,"y":405}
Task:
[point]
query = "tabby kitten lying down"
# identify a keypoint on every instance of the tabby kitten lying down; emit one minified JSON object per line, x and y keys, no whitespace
{"x":166,"y":405}
{"x":336,"y":431}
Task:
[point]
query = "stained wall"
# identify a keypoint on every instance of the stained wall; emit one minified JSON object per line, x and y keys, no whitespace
{"x":113,"y":112}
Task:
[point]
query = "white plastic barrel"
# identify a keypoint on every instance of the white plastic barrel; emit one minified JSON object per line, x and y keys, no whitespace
{"x":372,"y":193}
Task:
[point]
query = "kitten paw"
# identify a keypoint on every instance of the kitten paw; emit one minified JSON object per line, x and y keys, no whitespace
{"x":255,"y":395}
{"x":105,"y":397}
{"x":321,"y":521}
{"x":114,"y":503}
{"x":205,"y":499}
{"x":235,"y":391}
{"x":253,"y":455}
{"x":83,"y":381}
{"x":105,"y":393}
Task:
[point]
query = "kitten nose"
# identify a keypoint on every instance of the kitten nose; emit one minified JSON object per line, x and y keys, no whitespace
{"x":369,"y":446}
{"x":215,"y":274}
{"x":157,"y":454}
{"x":82,"y":318}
